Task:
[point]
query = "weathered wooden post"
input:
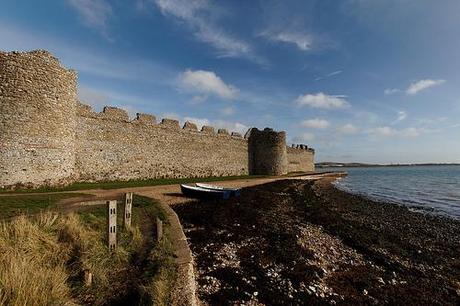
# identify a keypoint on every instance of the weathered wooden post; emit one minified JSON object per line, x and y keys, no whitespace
{"x":88,"y":278}
{"x":159,"y":229}
{"x":112,"y":224}
{"x":128,"y":209}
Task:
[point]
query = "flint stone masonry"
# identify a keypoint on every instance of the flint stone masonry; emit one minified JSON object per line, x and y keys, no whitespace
{"x":49,"y":138}
{"x":300,"y":159}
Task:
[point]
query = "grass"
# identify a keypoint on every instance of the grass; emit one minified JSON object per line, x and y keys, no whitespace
{"x":44,"y":258}
{"x":11,"y":206}
{"x":129,"y":184}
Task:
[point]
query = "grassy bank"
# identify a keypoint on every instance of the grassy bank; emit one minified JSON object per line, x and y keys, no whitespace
{"x":128,"y":184}
{"x":44,"y":259}
{"x":12,"y":206}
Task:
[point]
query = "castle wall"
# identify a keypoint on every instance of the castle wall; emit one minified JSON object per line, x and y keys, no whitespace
{"x":111,"y":147}
{"x":267,"y":152}
{"x":300,"y":159}
{"x":37,"y":119}
{"x":48,"y":138}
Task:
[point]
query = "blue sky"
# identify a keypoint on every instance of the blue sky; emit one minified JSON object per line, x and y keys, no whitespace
{"x":358,"y":80}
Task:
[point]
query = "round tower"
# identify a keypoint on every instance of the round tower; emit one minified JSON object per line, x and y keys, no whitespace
{"x":37,"y":120}
{"x":267,"y":152}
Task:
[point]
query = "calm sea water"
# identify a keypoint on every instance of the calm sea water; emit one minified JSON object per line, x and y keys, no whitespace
{"x":434,"y":189}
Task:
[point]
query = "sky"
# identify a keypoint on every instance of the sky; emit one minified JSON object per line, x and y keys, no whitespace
{"x":358,"y":80}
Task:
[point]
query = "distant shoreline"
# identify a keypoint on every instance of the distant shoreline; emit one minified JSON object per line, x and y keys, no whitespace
{"x":361,"y":165}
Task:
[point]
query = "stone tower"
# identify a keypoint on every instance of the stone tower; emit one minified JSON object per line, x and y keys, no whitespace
{"x":267,"y":152}
{"x":37,"y":119}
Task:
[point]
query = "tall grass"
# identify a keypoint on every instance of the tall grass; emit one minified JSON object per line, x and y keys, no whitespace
{"x":43,"y":261}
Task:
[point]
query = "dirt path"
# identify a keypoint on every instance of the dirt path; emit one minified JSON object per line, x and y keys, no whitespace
{"x":306,"y":243}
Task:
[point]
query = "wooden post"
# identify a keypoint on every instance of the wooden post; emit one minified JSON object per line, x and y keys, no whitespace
{"x":128,"y":209}
{"x":159,"y":229}
{"x":88,"y":279}
{"x":112,"y":224}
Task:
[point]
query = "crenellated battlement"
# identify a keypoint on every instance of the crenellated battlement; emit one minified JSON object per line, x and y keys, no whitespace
{"x":119,"y":114}
{"x":47,"y":137}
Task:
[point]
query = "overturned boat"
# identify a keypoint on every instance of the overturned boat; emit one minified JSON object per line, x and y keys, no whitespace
{"x":234,"y":192}
{"x":203,"y":193}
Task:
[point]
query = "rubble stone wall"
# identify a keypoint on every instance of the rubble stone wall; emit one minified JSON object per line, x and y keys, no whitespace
{"x":300,"y":159}
{"x":48,"y":138}
{"x":37,"y":119}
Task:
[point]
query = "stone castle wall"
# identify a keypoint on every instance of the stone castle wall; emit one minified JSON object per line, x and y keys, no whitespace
{"x":267,"y":152}
{"x":37,"y":121}
{"x":48,"y":138}
{"x":300,"y":158}
{"x":111,"y":147}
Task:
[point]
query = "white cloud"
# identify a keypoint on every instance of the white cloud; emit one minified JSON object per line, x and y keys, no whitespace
{"x":198,"y":99}
{"x":227,"y":111}
{"x":418,"y":86}
{"x":402,"y":115}
{"x":304,"y":137}
{"x":329,"y":75}
{"x":93,"y":13}
{"x":303,"y":41}
{"x":348,"y":129}
{"x":207,"y":82}
{"x":315,"y":123}
{"x":321,"y":100}
{"x":386,"y":131}
{"x":391,"y":91}
{"x":195,"y":13}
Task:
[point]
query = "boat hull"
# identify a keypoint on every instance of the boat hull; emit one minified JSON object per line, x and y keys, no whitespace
{"x":203,"y":193}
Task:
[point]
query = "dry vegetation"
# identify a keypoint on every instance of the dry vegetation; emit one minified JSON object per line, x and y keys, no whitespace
{"x":43,"y":260}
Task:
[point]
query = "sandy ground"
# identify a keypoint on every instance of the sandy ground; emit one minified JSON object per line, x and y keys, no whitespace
{"x":307,"y":243}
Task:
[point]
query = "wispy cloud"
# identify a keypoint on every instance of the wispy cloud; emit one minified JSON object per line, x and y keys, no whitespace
{"x":329,"y":75}
{"x":84,"y":60}
{"x":195,"y":14}
{"x":391,"y":91}
{"x":302,"y":41}
{"x":401,"y":115}
{"x":94,"y":14}
{"x":304,"y":137}
{"x":348,"y":129}
{"x":418,"y":86}
{"x":207,"y":82}
{"x":321,"y":100}
{"x":227,"y":111}
{"x":315,"y":123}
{"x":386,"y":131}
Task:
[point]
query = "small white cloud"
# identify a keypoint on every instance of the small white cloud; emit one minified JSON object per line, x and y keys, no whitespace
{"x":93,"y":13}
{"x":418,"y":86}
{"x":321,"y":100}
{"x":207,"y":82}
{"x":391,"y":91}
{"x":401,"y":115}
{"x":348,"y":129}
{"x":303,"y":41}
{"x":304,"y":137}
{"x":227,"y":111}
{"x":386,"y":131}
{"x":315,"y":123}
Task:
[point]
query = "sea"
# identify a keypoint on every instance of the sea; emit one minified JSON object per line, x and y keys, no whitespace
{"x":429,"y":189}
